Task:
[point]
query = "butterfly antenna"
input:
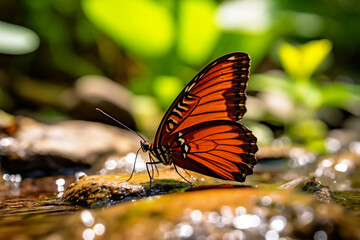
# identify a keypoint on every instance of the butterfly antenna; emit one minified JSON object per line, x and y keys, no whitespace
{"x":117,"y":121}
{"x":134,"y":165}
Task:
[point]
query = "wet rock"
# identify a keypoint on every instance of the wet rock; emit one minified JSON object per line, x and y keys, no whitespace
{"x":38,"y":149}
{"x":231,"y":213}
{"x":339,"y":171}
{"x":295,"y":183}
{"x":92,"y":92}
{"x":105,"y":190}
{"x":320,"y":191}
{"x":311,"y":185}
{"x":340,"y":139}
{"x":8,"y":124}
{"x":38,"y":189}
{"x":349,"y":199}
{"x":283,"y":163}
{"x":98,"y":190}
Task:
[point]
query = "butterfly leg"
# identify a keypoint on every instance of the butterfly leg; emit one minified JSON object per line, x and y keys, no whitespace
{"x":132,"y":173}
{"x":152,"y":168}
{"x":157,"y":171}
{"x":187,"y":173}
{"x":181,"y":175}
{"x":148,"y":171}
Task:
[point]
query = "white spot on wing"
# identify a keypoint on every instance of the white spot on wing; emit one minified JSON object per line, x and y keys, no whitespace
{"x":163,"y":148}
{"x":179,"y":106}
{"x":188,"y":88}
{"x":186,"y":148}
{"x":177,"y":111}
{"x":182,"y":141}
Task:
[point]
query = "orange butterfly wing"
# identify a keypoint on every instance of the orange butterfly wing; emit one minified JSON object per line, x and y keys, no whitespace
{"x":200,"y":130}
{"x":220,"y":149}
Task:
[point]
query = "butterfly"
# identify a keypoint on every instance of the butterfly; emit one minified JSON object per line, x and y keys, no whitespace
{"x":200,"y":131}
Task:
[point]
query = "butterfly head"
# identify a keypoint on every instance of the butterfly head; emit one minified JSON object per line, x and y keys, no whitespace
{"x":145,"y":145}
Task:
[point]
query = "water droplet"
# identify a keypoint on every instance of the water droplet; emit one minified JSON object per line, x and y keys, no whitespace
{"x":196,"y":216}
{"x":320,"y":235}
{"x":110,"y":164}
{"x":246,"y":221}
{"x":332,"y":145}
{"x":240,"y":211}
{"x":327,"y":162}
{"x":213,"y":217}
{"x":272,"y":235}
{"x":7,"y":141}
{"x":6,"y":177}
{"x":79,"y":175}
{"x":87,"y":218}
{"x":60,"y":182}
{"x":278,"y":223}
{"x":266,"y":201}
{"x":355,"y":147}
{"x":99,"y":229}
{"x":184,"y":230}
{"x":88,"y":234}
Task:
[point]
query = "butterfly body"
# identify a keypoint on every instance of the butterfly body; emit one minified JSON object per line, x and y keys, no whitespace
{"x":200,"y":132}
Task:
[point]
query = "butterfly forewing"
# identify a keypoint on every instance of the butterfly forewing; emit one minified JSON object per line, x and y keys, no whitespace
{"x":216,"y":93}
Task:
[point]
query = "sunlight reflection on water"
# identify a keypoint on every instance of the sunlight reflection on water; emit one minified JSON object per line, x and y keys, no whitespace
{"x":12,"y":181}
{"x":300,"y":157}
{"x":125,"y":164}
{"x":320,"y":235}
{"x":60,"y":186}
{"x":355,"y":147}
{"x":334,"y":171}
{"x":88,"y":220}
{"x":6,"y":141}
{"x":274,"y":221}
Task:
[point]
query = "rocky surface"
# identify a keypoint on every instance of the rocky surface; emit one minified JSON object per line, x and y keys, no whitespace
{"x":90,"y":92}
{"x":38,"y":149}
{"x":293,"y":193}
{"x":233,"y":213}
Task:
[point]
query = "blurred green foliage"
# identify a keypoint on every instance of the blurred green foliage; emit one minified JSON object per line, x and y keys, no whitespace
{"x":304,"y":55}
{"x":305,"y":93}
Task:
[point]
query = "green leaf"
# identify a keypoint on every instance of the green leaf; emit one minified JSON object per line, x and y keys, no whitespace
{"x":335,"y":94}
{"x":269,"y":82}
{"x":143,"y":27}
{"x":302,"y":61}
{"x":167,"y":88}
{"x":308,"y":130}
{"x":198,"y":34}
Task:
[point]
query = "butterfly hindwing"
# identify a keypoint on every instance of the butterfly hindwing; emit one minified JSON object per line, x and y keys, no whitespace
{"x":221,"y":149}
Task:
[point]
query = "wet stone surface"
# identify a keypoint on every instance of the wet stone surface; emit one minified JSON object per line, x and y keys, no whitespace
{"x":98,"y":191}
{"x":248,"y":214}
{"x":293,"y":193}
{"x":37,"y":149}
{"x":105,"y":190}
